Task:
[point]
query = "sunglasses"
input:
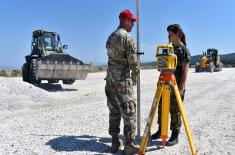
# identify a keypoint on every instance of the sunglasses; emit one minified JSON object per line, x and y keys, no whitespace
{"x":130,"y":20}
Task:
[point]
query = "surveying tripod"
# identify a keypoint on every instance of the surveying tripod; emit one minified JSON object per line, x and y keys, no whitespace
{"x":166,"y":64}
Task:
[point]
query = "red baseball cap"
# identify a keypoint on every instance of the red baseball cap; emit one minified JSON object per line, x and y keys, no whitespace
{"x":127,"y":13}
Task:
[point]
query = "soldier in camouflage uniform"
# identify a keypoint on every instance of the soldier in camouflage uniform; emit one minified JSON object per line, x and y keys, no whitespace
{"x":122,"y":71}
{"x":177,"y":38}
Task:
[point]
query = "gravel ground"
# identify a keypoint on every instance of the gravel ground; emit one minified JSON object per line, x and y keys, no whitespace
{"x":60,"y":119}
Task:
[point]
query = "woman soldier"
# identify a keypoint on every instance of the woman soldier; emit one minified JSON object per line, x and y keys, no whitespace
{"x":177,"y":38}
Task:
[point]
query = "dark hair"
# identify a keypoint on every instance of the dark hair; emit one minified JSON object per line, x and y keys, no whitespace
{"x":175,"y":28}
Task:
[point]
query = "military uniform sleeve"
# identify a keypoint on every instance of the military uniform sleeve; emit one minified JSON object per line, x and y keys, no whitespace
{"x":187,"y":56}
{"x":131,"y":53}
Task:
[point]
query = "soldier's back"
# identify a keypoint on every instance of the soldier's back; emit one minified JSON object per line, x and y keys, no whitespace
{"x":118,"y":69}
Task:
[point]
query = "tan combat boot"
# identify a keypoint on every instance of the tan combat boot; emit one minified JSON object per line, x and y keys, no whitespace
{"x":130,"y":148}
{"x":116,"y":144}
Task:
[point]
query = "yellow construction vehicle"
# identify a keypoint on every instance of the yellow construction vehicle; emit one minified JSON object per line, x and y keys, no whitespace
{"x":209,"y":62}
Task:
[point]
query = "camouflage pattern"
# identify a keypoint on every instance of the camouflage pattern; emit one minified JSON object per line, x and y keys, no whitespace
{"x":122,"y":55}
{"x":119,"y":90}
{"x":183,"y":57}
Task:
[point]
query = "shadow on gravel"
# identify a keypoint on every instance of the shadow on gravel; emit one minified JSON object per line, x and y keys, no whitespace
{"x":154,"y":145}
{"x":80,"y":143}
{"x":93,"y":144}
{"x":53,"y":87}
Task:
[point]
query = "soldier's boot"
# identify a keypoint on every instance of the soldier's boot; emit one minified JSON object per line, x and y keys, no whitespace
{"x":157,"y":134}
{"x":174,"y":139}
{"x":116,"y":144}
{"x":130,"y":148}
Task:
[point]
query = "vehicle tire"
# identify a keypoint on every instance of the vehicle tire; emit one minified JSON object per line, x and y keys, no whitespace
{"x":197,"y":67}
{"x":33,"y":72}
{"x":220,"y":66}
{"x":69,"y":82}
{"x":25,"y":72}
{"x":53,"y":81}
{"x":211,"y":67}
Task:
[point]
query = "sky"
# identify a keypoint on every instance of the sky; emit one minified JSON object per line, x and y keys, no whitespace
{"x":85,"y":25}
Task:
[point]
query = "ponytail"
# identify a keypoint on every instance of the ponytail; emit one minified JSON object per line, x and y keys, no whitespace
{"x":183,"y":38}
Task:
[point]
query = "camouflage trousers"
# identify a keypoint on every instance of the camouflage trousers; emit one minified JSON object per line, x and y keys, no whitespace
{"x":121,"y":103}
{"x":176,"y":122}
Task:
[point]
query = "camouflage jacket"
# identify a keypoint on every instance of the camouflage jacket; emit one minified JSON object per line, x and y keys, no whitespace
{"x":183,"y":57}
{"x":121,"y":55}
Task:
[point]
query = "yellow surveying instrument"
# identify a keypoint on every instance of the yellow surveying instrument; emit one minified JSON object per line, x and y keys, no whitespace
{"x":166,"y":64}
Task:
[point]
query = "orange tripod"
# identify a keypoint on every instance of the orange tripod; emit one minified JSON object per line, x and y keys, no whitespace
{"x":166,"y":63}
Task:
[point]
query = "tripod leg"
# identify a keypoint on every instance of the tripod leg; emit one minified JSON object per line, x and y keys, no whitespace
{"x":185,"y":120}
{"x":150,"y":120}
{"x":165,"y":113}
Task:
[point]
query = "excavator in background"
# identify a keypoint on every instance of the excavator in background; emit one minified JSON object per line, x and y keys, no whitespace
{"x":209,"y":62}
{"x":48,"y":61}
